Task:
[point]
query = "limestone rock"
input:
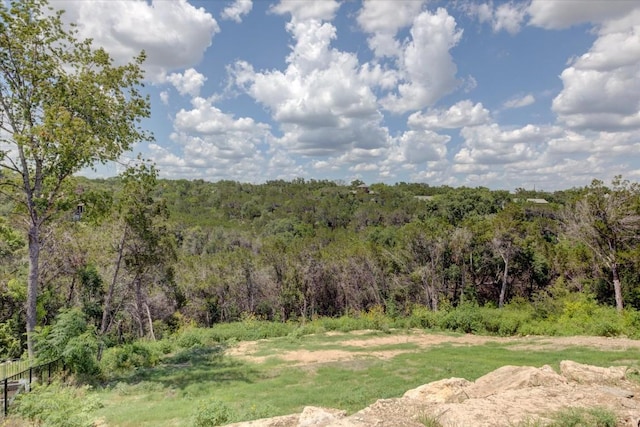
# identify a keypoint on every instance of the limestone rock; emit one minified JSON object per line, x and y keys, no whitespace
{"x":313,"y":416}
{"x":587,"y":374}
{"x":514,"y":378}
{"x":450,"y":390}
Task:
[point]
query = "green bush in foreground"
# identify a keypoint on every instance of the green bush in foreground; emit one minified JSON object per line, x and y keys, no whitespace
{"x":71,"y":339}
{"x":57,"y":405}
{"x":212,"y":413}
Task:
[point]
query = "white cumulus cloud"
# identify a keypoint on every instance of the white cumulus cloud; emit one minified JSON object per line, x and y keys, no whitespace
{"x":601,"y":88}
{"x":383,"y":19}
{"x":237,"y":10}
{"x":563,"y":14}
{"x":427,"y":68}
{"x":461,"y":114}
{"x":322,"y":101}
{"x":307,"y":9}
{"x":188,"y":82}
{"x":174,"y":34}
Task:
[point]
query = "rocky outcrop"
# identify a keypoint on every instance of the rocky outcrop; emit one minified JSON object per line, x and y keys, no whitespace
{"x":504,"y":397}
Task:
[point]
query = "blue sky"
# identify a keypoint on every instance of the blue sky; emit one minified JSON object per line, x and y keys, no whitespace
{"x":533,"y":94}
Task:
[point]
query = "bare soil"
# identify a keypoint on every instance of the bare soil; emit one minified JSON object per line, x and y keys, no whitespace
{"x":509,"y":396}
{"x":422,"y":340}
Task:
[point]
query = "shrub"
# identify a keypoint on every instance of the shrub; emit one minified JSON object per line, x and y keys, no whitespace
{"x":212,"y":413}
{"x":422,"y":317}
{"x":128,"y":357}
{"x":57,"y":405}
{"x":71,"y":339}
{"x":465,"y":318}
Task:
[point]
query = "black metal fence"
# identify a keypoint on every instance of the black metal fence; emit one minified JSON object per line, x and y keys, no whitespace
{"x":22,"y":381}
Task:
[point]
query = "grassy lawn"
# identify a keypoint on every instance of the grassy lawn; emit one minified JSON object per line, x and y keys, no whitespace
{"x":171,"y":393}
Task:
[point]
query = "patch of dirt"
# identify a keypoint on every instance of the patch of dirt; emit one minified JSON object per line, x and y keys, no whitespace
{"x":504,"y":397}
{"x":365,"y":341}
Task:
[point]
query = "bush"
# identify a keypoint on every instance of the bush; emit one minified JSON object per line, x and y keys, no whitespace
{"x":72,"y":340}
{"x":57,"y":405}
{"x":128,"y":357}
{"x":212,"y":413}
{"x":465,"y":318}
{"x":422,"y":317}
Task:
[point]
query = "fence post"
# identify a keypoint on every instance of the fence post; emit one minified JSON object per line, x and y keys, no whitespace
{"x":6,"y":396}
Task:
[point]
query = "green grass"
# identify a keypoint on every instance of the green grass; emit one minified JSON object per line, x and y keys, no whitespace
{"x":573,"y":417}
{"x":186,"y":383}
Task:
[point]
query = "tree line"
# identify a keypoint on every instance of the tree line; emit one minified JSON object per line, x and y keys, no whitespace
{"x":150,"y":255}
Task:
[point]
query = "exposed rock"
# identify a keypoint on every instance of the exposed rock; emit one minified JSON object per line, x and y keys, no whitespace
{"x":587,"y":374}
{"x":450,"y":390}
{"x":504,"y":397}
{"x":313,"y":416}
{"x":514,"y":378}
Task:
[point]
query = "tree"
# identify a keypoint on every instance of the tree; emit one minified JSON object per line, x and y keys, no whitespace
{"x":606,"y":220}
{"x":144,"y":250}
{"x":64,"y":106}
{"x":505,"y":243}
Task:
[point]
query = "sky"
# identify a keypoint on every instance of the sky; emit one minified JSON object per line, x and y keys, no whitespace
{"x":536,"y":94}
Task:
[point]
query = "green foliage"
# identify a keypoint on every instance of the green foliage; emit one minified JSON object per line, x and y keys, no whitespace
{"x":212,"y":413}
{"x":10,"y":346}
{"x":57,"y":405}
{"x":583,"y":417}
{"x":66,"y":106}
{"x":429,"y":420}
{"x":130,"y":357}
{"x":71,"y":339}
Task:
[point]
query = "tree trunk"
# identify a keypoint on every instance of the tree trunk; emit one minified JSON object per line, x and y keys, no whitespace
{"x":503,"y":289}
{"x":153,"y":336}
{"x":32,"y":286}
{"x":617,"y":287}
{"x":107,"y":302}
{"x":139,"y":306}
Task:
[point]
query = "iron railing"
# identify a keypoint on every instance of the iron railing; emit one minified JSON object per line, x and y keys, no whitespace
{"x":12,"y":385}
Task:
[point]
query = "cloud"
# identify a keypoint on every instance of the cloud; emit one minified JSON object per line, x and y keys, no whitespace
{"x":461,"y":114}
{"x":164,"y":97}
{"x":427,"y":68}
{"x":520,"y":102}
{"x":308,"y":9}
{"x":382,"y":20}
{"x":422,"y":146}
{"x":211,"y":143}
{"x":174,"y":34}
{"x":491,"y":145}
{"x":601,"y":88}
{"x":188,"y":82}
{"x":555,"y":15}
{"x":237,"y":10}
{"x":507,"y":16}
{"x":322,"y":100}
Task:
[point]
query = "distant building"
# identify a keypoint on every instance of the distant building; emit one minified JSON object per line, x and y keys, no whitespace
{"x":534,"y":201}
{"x":363,"y":188}
{"x":424,"y":198}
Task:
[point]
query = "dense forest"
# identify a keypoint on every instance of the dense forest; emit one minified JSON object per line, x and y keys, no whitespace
{"x":141,"y":256}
